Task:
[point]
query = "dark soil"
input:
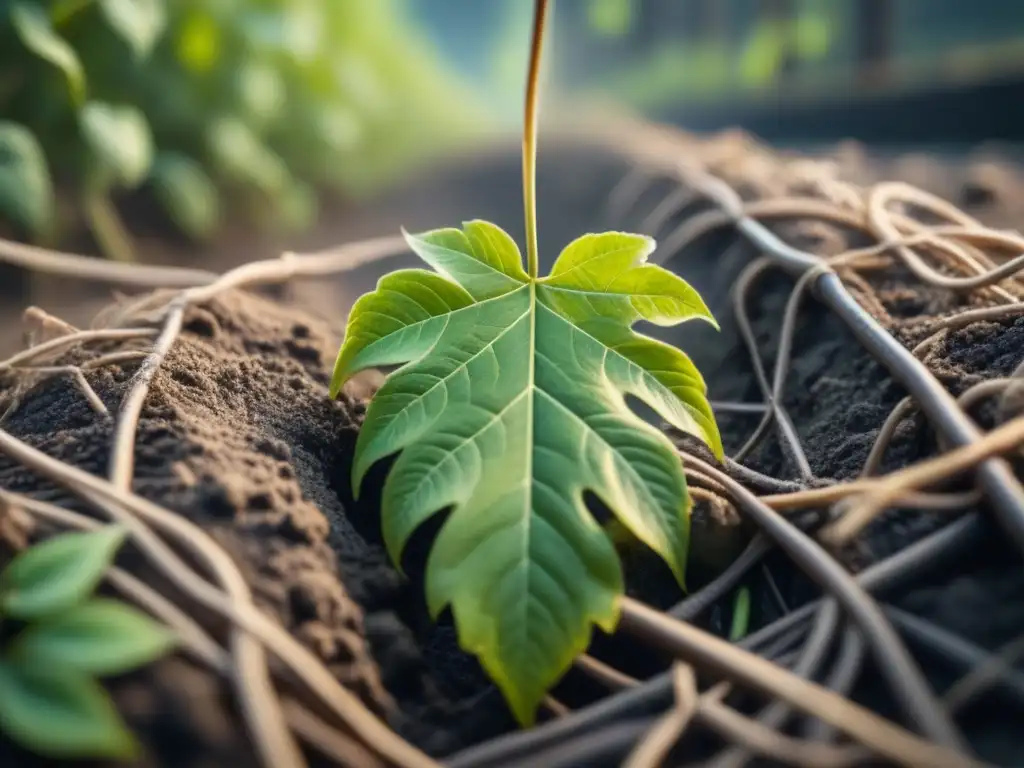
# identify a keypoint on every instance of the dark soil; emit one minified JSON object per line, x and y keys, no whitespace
{"x":238,"y":435}
{"x":222,"y":442}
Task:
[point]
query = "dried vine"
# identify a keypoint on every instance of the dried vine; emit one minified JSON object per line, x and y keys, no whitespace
{"x":298,"y":701}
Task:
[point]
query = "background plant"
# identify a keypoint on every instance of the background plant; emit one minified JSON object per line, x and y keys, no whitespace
{"x":253,"y":105}
{"x":58,"y":638}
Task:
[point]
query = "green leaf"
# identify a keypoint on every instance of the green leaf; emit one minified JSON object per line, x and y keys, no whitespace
{"x":186,"y":193}
{"x":611,"y":18}
{"x":120,"y":141}
{"x":58,"y":573}
{"x":33,"y":28}
{"x":260,"y":91}
{"x":100,"y":637}
{"x":607,"y":275}
{"x":59,"y":713}
{"x":336,"y":127}
{"x":297,"y":207}
{"x":509,"y":407}
{"x":359,"y":80}
{"x":481,"y":258}
{"x":241,"y":156}
{"x":26,"y":194}
{"x":296,"y":32}
{"x":198,"y":44}
{"x":139,"y":22}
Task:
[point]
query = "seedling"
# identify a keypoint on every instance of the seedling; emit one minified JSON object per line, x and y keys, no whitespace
{"x":508,"y":407}
{"x":61,"y":638}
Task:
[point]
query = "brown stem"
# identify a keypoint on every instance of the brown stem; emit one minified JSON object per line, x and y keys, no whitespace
{"x":530,"y":136}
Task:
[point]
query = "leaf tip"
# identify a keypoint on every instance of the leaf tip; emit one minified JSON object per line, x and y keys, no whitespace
{"x":717,"y":449}
{"x":678,"y":567}
{"x":411,"y":238}
{"x":337,"y":383}
{"x":610,"y":620}
{"x":359,"y":467}
{"x":524,"y":711}
{"x":710,"y":319}
{"x":114,"y":534}
{"x":522,"y":698}
{"x":676,"y":558}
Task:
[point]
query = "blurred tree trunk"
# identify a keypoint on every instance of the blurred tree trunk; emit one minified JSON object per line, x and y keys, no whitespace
{"x":875,"y":22}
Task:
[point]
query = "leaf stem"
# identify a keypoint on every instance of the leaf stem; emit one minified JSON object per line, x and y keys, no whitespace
{"x":530,"y":136}
{"x":108,"y":229}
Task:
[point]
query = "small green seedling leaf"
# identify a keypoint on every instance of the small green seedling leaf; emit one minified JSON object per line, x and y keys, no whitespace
{"x":33,"y":28}
{"x":509,"y":407}
{"x":120,"y":140}
{"x":187,"y":194}
{"x":100,"y":637}
{"x":57,"y":574}
{"x":60,"y":713}
{"x":26,"y":193}
{"x":139,"y":22}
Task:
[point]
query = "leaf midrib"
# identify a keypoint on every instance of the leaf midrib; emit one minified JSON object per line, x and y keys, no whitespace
{"x":531,"y":384}
{"x":531,"y":379}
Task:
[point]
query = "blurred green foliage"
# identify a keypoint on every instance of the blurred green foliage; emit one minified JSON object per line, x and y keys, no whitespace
{"x":697,"y":63}
{"x":611,"y":17}
{"x":254,"y":105}
{"x":713,"y":67}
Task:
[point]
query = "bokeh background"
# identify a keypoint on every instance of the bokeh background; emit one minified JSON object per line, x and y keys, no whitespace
{"x":168,"y":129}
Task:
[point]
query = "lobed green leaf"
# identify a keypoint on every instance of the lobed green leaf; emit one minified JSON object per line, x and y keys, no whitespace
{"x":60,"y":713}
{"x":100,"y":637}
{"x":662,"y":376}
{"x":508,"y":408}
{"x":57,"y":574}
{"x":400,"y":320}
